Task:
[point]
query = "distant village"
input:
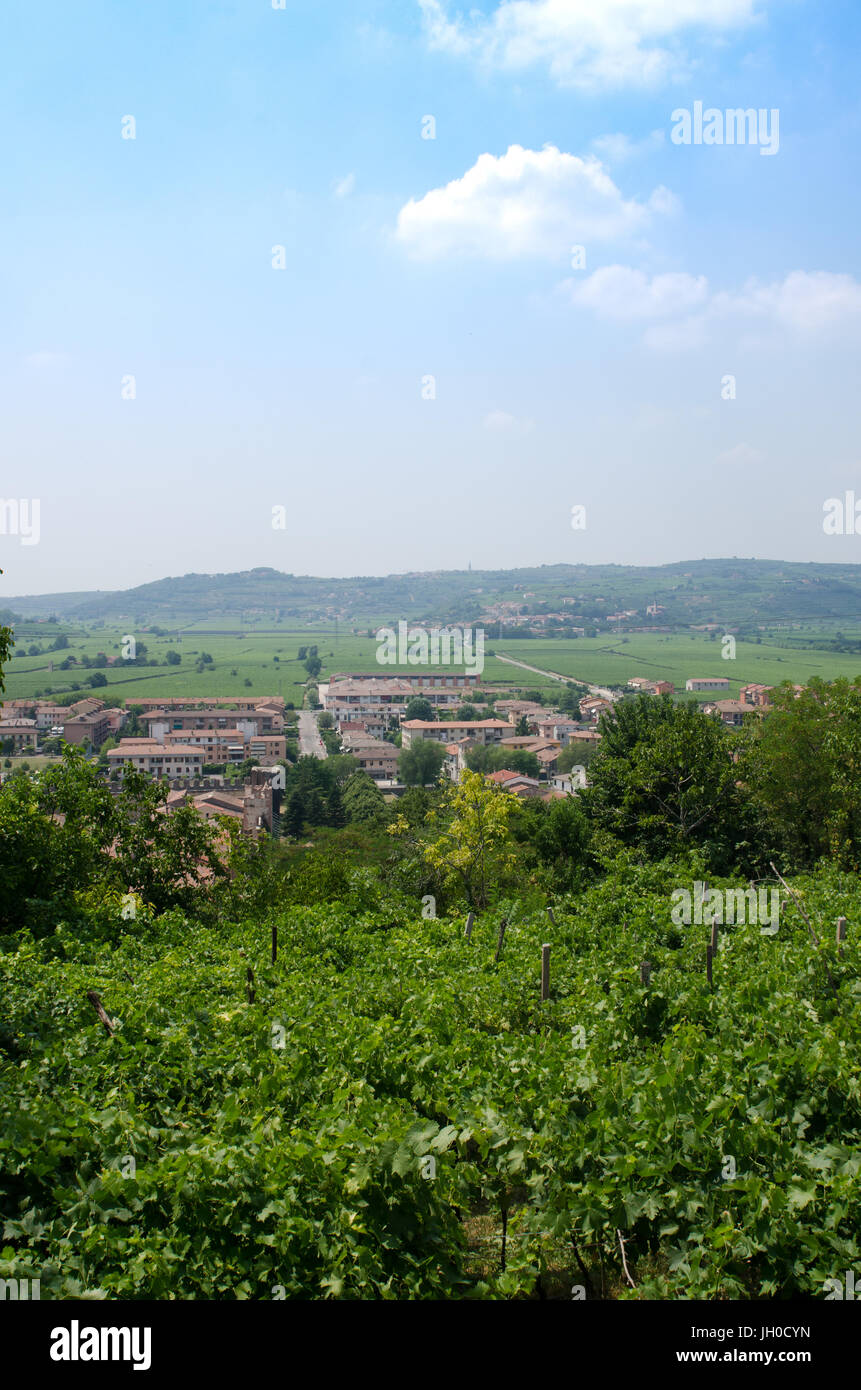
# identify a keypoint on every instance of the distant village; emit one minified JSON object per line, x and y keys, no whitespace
{"x":185,"y":738}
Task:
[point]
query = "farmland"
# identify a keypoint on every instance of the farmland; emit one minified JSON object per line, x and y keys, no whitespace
{"x":675,"y":657}
{"x":267,"y":657}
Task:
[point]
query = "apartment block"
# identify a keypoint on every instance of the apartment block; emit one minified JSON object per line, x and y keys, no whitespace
{"x":208,"y":703}
{"x":425,"y":680}
{"x":450,"y":730}
{"x":90,"y":729}
{"x":158,"y":759}
{"x":21,"y":733}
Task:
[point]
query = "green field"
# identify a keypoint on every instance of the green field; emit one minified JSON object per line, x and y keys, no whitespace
{"x":674,"y":657}
{"x":264,"y":661}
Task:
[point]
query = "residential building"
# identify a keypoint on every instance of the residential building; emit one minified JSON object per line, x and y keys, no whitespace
{"x":651,"y":687}
{"x":230,"y":745}
{"x":758,"y":695}
{"x":86,"y":729}
{"x":385,"y":697}
{"x":374,"y":725}
{"x":249,"y":725}
{"x":448,"y":731}
{"x":158,"y":759}
{"x":21,"y":733}
{"x":49,"y":717}
{"x":514,"y":782}
{"x":592,"y":707}
{"x":89,"y":705}
{"x":187,"y":703}
{"x":548,"y":758}
{"x":558,"y":729}
{"x":379,"y":759}
{"x":513,"y":709}
{"x":418,"y":681}
{"x":730,"y":712}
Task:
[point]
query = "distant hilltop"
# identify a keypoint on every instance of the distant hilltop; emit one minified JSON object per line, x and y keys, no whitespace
{"x":691,"y":592}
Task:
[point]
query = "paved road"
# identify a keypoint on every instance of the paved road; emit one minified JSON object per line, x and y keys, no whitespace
{"x":554,"y":675}
{"x":310,"y":743}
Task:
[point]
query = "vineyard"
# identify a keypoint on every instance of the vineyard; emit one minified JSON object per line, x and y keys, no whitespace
{"x":390,"y":1111}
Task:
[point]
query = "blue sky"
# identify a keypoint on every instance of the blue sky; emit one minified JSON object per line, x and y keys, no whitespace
{"x":407,"y":258}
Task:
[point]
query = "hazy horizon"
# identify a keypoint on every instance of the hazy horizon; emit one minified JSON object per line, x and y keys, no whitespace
{"x":454,"y":569}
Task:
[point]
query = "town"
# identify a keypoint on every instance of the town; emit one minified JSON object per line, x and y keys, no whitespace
{"x":227,"y":756}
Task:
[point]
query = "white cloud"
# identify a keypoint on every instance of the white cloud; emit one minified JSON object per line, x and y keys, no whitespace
{"x":619,"y":292}
{"x":804,"y":301}
{"x":525,"y":203}
{"x":681,"y":309}
{"x":502,"y":423}
{"x":586,"y":42}
{"x":618,"y":149}
{"x":342,"y":188}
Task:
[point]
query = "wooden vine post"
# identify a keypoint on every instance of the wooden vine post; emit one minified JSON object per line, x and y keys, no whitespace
{"x":841,"y":934}
{"x":274,"y":943}
{"x":469,"y":921}
{"x":545,"y":971}
{"x":709,"y":959}
{"x":499,"y":941}
{"x":645,"y":971}
{"x":109,"y":1023}
{"x":552,"y":918}
{"x":249,"y":985}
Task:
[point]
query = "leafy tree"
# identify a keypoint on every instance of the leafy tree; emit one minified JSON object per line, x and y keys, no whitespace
{"x":471,"y":845}
{"x":560,"y":834}
{"x":420,"y":763}
{"x":468,"y":712}
{"x":133,"y":727}
{"x":163,"y":857}
{"x":363,"y":800}
{"x":172,"y":658}
{"x":490,"y":758}
{"x":802,"y":766}
{"x":419,"y":708}
{"x":7,"y":642}
{"x":98,"y":678}
{"x":664,"y":780}
{"x":521,"y":729}
{"x":293,"y":818}
{"x":325,"y":721}
{"x":335,"y":814}
{"x":578,"y":753}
